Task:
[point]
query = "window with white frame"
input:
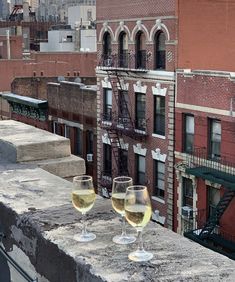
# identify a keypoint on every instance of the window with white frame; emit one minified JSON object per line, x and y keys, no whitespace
{"x":188,"y":133}
{"x":215,"y":138}
{"x":159,"y":179}
{"x":140,"y":170}
{"x":159,"y":115}
{"x":107,"y":104}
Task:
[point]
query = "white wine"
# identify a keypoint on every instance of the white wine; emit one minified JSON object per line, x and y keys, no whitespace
{"x":138,"y":215}
{"x":118,"y":202}
{"x":83,"y":200}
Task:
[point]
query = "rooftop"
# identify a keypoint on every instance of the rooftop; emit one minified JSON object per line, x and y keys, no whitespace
{"x":38,"y":217}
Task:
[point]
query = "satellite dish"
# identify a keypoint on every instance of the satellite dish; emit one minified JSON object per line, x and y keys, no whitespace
{"x":60,"y":78}
{"x":77,"y":80}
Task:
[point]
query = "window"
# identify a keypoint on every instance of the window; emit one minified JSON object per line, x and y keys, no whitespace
{"x":159,"y":115}
{"x":56,"y":128}
{"x":107,"y":165}
{"x":123,"y":112}
{"x":213,"y":199}
{"x":159,"y":179}
{"x":123,"y":162}
{"x":66,"y":131}
{"x":140,"y":170}
{"x":215,"y":138}
{"x":140,"y":122}
{"x":90,"y":141}
{"x":107,"y":49}
{"x":160,"y":47}
{"x":123,"y":50}
{"x":187,"y":192}
{"x":107,"y":104}
{"x":78,"y":142}
{"x":140,"y":51}
{"x":188,"y":133}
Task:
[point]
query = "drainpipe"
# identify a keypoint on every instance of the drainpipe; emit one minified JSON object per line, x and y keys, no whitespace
{"x":8,"y":45}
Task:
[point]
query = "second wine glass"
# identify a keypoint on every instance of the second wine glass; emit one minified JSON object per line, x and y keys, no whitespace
{"x":120,"y":185}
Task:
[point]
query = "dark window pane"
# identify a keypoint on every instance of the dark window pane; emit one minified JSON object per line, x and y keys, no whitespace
{"x":107,"y":160}
{"x":188,"y":133}
{"x":215,"y":138}
{"x":187,"y":192}
{"x":159,"y":179}
{"x":140,"y":170}
{"x":160,"y":50}
{"x":159,"y":115}
{"x":140,"y":112}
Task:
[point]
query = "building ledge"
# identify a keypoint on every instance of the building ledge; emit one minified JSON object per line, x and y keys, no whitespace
{"x":38,"y":217}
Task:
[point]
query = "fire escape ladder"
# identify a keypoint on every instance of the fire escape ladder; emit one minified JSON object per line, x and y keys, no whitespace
{"x":116,"y":146}
{"x":124,"y":117}
{"x":217,"y":214}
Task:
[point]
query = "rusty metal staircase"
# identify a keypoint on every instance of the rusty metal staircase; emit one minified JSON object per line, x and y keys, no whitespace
{"x":217,"y":214}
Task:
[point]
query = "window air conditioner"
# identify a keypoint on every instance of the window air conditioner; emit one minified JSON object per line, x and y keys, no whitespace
{"x":89,"y":157}
{"x":187,"y":212}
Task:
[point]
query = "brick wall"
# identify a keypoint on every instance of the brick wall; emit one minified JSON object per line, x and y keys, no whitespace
{"x":206,"y":32}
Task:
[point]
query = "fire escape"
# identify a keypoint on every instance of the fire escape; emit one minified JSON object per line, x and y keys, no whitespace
{"x":209,"y":232}
{"x":120,"y":124}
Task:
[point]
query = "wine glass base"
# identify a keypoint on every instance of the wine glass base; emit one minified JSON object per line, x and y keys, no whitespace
{"x":123,"y":240}
{"x":84,"y":237}
{"x":140,"y":256}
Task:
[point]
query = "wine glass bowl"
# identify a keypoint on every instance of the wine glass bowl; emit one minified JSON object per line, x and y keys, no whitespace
{"x":119,"y":188}
{"x":138,"y":212}
{"x":83,"y":198}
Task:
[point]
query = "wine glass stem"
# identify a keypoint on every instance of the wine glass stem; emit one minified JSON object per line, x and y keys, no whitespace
{"x":84,"y":231}
{"x":140,"y":240}
{"x":123,"y":226}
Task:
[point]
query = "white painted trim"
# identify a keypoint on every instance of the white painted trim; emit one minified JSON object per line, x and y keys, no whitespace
{"x":140,"y":131}
{"x":205,"y":109}
{"x":156,"y":155}
{"x":158,"y":136}
{"x":139,"y":88}
{"x":124,"y":86}
{"x":106,"y":83}
{"x":69,"y":123}
{"x":157,"y":90}
{"x":105,"y":28}
{"x":139,"y":26}
{"x":138,"y":150}
{"x":159,"y":26}
{"x":122,"y":27}
{"x":156,"y":216}
{"x":124,"y":146}
{"x":154,"y":198}
{"x":105,"y":139}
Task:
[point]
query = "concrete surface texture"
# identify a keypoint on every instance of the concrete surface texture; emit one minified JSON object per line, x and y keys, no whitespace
{"x":38,"y":217}
{"x":22,"y":143}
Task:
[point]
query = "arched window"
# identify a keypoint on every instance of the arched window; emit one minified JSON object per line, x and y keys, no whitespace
{"x":160,"y":51}
{"x":107,"y":48}
{"x":140,"y":50}
{"x":123,"y":50}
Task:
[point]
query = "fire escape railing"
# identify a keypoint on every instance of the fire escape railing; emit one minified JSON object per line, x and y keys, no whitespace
{"x":199,"y":157}
{"x":126,"y":60}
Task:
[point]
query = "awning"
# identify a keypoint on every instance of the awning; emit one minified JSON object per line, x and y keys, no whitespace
{"x":216,"y":176}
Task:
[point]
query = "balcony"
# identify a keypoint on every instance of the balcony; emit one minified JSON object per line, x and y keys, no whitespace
{"x":218,"y":241}
{"x":139,"y":62}
{"x":124,"y":125}
{"x":217,"y":170}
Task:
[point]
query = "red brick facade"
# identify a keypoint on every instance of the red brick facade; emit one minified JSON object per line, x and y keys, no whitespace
{"x":150,"y":19}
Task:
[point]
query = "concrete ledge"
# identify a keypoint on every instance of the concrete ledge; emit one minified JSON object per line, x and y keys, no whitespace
{"x":38,"y":218}
{"x":64,"y":167}
{"x":21,"y":142}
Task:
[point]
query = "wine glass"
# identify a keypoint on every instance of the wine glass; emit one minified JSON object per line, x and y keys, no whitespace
{"x":83,"y":198}
{"x":119,"y":188}
{"x":138,"y":213}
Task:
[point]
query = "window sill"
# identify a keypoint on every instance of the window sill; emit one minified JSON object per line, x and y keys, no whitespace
{"x":158,"y":136}
{"x":140,"y":131}
{"x":158,"y":199}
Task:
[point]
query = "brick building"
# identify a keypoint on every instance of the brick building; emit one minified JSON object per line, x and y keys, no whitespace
{"x":135,"y":100}
{"x":72,"y":113}
{"x":204,"y":125}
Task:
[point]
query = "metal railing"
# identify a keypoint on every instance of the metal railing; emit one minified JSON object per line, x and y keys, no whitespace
{"x":126,"y":60}
{"x":199,"y":157}
{"x":22,"y":273}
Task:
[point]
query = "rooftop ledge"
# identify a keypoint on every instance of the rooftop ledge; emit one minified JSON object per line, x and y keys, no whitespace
{"x":38,"y":217}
